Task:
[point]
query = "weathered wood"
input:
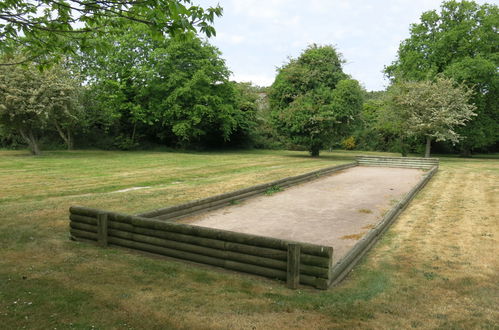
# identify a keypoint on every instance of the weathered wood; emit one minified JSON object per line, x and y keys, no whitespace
{"x":235,"y":194}
{"x":83,"y":234}
{"x":319,"y":256}
{"x":257,"y":259}
{"x":293,"y":266}
{"x":83,"y":226}
{"x":320,"y":262}
{"x":256,"y":250}
{"x":102,"y":230}
{"x":83,"y":219}
{"x":396,"y":158}
{"x":208,"y":205}
{"x":225,"y":235}
{"x":342,"y":267}
{"x":403,"y":162}
{"x":319,"y":283}
{"x":85,"y":211}
{"x":206,"y":242}
{"x":167,"y":251}
{"x":257,"y":270}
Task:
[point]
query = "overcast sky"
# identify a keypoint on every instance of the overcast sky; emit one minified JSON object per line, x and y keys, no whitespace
{"x":256,"y":36}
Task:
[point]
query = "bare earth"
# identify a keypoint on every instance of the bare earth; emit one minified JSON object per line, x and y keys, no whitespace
{"x":335,"y":210}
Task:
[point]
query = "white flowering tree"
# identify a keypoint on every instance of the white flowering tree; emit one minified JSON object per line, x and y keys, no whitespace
{"x":33,"y":102}
{"x":432,"y":109}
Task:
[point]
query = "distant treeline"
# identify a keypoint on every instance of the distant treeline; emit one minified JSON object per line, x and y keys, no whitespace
{"x":142,"y":91}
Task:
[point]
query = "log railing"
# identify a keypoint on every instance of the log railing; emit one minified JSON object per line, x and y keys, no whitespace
{"x":406,"y":162}
{"x":218,"y":201}
{"x":293,"y":262}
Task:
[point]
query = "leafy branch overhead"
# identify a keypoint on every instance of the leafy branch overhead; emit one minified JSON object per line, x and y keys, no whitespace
{"x":52,"y":27}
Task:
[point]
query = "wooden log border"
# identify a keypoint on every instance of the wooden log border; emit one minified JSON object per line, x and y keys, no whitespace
{"x":290,"y":261}
{"x":343,"y":266}
{"x":405,"y":162}
{"x":218,"y":201}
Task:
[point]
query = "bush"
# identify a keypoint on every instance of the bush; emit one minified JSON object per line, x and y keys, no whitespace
{"x":349,"y":143}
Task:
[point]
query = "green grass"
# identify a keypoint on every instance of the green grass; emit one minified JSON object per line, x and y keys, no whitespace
{"x":436,"y":267}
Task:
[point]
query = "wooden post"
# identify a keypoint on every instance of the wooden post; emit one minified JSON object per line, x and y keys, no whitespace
{"x":293,"y":271}
{"x":102,"y":229}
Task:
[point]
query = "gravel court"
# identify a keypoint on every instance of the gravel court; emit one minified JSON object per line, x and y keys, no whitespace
{"x":335,"y":210}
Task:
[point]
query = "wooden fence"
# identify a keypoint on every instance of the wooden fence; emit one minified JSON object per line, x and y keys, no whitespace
{"x":218,"y":201}
{"x":406,"y":162}
{"x":343,"y":266}
{"x":293,"y":262}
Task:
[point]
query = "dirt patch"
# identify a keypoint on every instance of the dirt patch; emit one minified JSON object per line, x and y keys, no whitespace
{"x":354,"y":236}
{"x":323,"y":211}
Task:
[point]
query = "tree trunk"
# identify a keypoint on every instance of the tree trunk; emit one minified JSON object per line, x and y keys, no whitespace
{"x":67,"y":137}
{"x":404,"y":150}
{"x":465,"y":152}
{"x":428,"y":147}
{"x":70,"y":143}
{"x":32,"y":141}
{"x":133,"y":132}
{"x":314,"y":150}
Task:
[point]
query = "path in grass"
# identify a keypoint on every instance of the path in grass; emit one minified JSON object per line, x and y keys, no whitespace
{"x":436,"y":267}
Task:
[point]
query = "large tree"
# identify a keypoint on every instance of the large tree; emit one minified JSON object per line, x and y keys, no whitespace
{"x":47,"y":28}
{"x":313,"y":101}
{"x":177,"y":90}
{"x":429,"y":109}
{"x":461,"y":42}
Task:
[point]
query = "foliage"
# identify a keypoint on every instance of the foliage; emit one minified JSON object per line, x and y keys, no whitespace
{"x":32,"y":102}
{"x":51,"y":28}
{"x":316,"y":67}
{"x":349,"y":143}
{"x":173,"y":90}
{"x":462,"y":43}
{"x":312,"y":100}
{"x":429,"y":109}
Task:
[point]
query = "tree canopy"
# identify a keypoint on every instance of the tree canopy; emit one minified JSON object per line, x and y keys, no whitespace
{"x":461,"y":42}
{"x":47,"y":28}
{"x":33,"y":102}
{"x":177,"y":91}
{"x":313,"y":101}
{"x":428,"y":109}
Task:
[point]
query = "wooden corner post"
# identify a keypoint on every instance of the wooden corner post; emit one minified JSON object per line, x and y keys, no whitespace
{"x":293,"y":269}
{"x":102,"y":229}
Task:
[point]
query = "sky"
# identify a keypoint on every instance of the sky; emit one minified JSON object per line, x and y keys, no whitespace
{"x":258,"y":36}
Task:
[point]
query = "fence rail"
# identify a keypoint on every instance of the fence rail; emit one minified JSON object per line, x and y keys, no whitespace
{"x":290,"y":261}
{"x":218,"y":201}
{"x":405,"y":162}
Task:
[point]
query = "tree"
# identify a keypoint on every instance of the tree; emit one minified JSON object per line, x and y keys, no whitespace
{"x":430,"y":109}
{"x":461,"y":42}
{"x":33,"y":102}
{"x":53,"y":27}
{"x":177,"y":90}
{"x":312,"y":100}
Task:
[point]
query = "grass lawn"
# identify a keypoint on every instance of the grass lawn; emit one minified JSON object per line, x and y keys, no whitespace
{"x":437,"y":267}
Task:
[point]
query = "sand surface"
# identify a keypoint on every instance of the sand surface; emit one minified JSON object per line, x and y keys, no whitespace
{"x":334,"y":210}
